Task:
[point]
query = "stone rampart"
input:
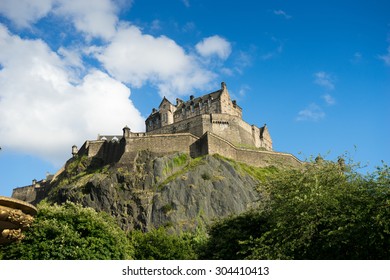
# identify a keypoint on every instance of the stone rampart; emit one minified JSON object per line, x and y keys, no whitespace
{"x":218,"y":145}
{"x":161,"y":144}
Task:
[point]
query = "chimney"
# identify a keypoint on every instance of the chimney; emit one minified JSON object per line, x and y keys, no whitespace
{"x":223,"y":86}
{"x":191,"y":97}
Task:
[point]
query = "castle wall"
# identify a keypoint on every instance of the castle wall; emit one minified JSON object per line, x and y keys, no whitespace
{"x":218,"y":145}
{"x":108,"y":151}
{"x":27,"y":193}
{"x":161,"y":144}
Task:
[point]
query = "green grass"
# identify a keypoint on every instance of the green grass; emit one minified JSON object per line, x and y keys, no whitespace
{"x":190,"y":165}
{"x":176,"y":162}
{"x":258,"y":173}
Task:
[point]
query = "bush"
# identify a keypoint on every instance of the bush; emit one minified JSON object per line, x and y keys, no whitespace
{"x":71,"y":232}
{"x":158,"y":244}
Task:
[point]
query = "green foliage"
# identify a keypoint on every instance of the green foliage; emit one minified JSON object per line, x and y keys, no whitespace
{"x":227,"y":237}
{"x":158,"y":244}
{"x":258,"y":173}
{"x":70,"y":232}
{"x":177,"y":162}
{"x":327,"y":211}
{"x":187,"y":165}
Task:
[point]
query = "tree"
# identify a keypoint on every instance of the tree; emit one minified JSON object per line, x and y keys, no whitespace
{"x":159,"y":244}
{"x":228,"y":237}
{"x":327,"y":211}
{"x":70,"y":231}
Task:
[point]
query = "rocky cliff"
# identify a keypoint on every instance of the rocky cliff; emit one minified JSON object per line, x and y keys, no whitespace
{"x":151,"y":191}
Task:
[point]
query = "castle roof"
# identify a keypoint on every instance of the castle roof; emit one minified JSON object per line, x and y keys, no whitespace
{"x":162,"y":101}
{"x":197,"y":100}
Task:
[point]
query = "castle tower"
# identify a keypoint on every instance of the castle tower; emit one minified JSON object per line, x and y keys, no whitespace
{"x":227,"y":106}
{"x":166,"y":110}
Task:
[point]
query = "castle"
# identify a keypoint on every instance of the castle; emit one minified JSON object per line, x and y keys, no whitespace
{"x":209,"y":124}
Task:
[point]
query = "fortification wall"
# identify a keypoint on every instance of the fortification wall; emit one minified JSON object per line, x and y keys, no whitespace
{"x":26,"y":193}
{"x":218,"y":145}
{"x":108,"y":151}
{"x":162,"y":143}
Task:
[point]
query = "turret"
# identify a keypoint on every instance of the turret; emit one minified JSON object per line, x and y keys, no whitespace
{"x":75,"y":150}
{"x":126,"y":132}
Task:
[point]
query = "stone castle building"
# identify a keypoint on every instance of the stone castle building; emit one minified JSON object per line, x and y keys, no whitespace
{"x":209,"y":124}
{"x":214,"y":112}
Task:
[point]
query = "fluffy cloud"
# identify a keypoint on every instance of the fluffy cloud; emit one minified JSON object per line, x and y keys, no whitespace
{"x":43,"y":112}
{"x":52,"y":99}
{"x":329,"y":99}
{"x":97,"y":19}
{"x":324,"y":80}
{"x":311,"y":113}
{"x":214,"y":45}
{"x":25,"y":12}
{"x":137,"y":58}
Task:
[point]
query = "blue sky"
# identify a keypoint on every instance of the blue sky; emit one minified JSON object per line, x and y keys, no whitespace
{"x":317,"y":72}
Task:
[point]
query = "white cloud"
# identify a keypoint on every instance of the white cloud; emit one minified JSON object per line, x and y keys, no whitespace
{"x":43,"y":112}
{"x":329,"y":99}
{"x":386,"y":57}
{"x":282,"y":13}
{"x":311,"y":113}
{"x":214,"y":45}
{"x":324,"y":80}
{"x":23,"y":13}
{"x":137,"y":58}
{"x":95,"y":19}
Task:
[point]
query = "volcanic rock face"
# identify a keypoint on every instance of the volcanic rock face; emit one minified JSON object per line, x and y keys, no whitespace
{"x":174,"y":191}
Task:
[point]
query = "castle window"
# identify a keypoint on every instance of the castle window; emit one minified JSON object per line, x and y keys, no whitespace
{"x":192,"y":108}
